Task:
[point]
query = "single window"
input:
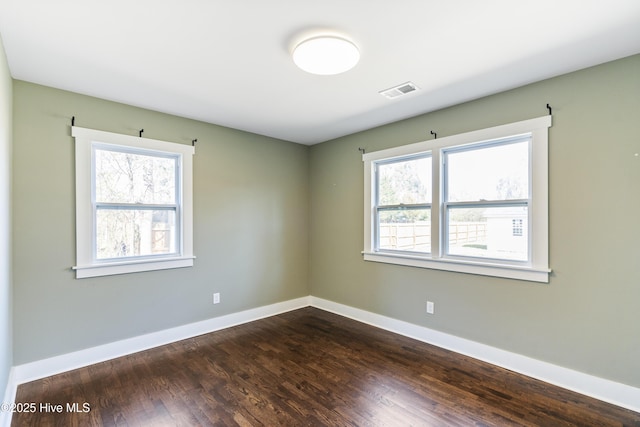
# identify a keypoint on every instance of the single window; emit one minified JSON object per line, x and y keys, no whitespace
{"x":133,"y":204}
{"x":471,"y":203}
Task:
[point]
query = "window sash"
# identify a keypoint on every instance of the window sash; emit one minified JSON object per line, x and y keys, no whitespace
{"x":386,"y":162}
{"x":400,"y":207}
{"x":446,"y":244}
{"x":177,"y":158}
{"x":466,"y":148}
{"x":175,"y":236}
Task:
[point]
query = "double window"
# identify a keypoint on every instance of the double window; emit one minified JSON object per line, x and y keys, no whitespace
{"x":473,"y":203}
{"x":133,"y":204}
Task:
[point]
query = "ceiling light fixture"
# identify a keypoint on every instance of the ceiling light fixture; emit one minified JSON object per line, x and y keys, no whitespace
{"x":326,"y":55}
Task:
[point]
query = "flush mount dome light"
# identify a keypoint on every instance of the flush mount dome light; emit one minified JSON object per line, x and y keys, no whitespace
{"x":326,"y":55}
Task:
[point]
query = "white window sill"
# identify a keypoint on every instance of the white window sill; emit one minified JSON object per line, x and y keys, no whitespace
{"x":485,"y":269}
{"x":134,"y":266}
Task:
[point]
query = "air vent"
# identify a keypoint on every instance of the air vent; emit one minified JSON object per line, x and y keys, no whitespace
{"x":399,"y":90}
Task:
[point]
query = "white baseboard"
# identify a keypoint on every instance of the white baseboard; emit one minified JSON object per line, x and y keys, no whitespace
{"x":9,"y":398}
{"x":78,"y":359}
{"x":608,"y":391}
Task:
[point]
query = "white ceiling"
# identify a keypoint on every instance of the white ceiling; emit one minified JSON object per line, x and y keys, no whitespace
{"x":229,"y":63}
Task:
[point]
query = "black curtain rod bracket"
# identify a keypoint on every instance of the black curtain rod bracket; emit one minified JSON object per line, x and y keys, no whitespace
{"x":549,"y":108}
{"x":140,"y":133}
{"x":193,"y":142}
{"x":435,"y":135}
{"x":362,"y":150}
{"x":73,"y":120}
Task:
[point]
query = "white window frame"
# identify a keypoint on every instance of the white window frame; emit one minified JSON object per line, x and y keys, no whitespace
{"x":535,"y":269}
{"x":86,"y":140}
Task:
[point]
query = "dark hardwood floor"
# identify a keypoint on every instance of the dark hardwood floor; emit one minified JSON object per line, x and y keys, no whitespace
{"x":305,"y":368}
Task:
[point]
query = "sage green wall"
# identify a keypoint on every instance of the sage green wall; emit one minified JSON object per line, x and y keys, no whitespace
{"x":251,"y":225}
{"x":587,"y":318}
{"x":6,"y":342}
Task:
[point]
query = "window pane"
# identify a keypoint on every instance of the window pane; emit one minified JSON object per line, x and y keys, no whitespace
{"x":123,"y":177}
{"x":407,"y":181}
{"x":405,"y":230}
{"x":499,"y":172}
{"x":500,"y":233}
{"x":122,"y":233}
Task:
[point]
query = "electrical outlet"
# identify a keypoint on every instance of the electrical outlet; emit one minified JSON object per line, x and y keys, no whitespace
{"x":216,"y":298}
{"x":430,"y":307}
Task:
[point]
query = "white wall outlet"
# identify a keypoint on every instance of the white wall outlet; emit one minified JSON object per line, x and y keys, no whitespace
{"x":216,"y":298}
{"x":430,"y":307}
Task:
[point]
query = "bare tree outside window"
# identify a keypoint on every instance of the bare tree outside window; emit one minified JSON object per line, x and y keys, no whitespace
{"x":136,"y":199}
{"x":404,"y":204}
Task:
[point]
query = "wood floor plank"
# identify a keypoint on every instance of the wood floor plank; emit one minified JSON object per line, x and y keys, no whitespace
{"x":307,"y":368}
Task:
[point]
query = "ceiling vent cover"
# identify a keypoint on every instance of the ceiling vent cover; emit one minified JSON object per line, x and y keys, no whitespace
{"x":399,"y":90}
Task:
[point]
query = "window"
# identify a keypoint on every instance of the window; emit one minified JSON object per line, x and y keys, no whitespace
{"x":403,"y":208}
{"x":485,"y":185}
{"x":472,"y":203}
{"x":133,"y":204}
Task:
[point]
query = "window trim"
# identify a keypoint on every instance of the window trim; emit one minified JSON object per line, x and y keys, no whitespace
{"x":536,"y":270}
{"x":86,"y":263}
